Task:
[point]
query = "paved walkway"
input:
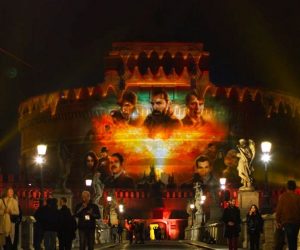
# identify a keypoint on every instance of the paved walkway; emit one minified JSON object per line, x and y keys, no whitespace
{"x":191,"y":243}
{"x":204,"y":245}
{"x":197,"y":244}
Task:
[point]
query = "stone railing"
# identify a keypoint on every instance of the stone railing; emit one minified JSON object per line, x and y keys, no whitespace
{"x":26,"y":234}
{"x":214,"y":233}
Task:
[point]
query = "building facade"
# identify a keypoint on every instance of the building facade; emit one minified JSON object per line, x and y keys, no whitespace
{"x":73,"y":122}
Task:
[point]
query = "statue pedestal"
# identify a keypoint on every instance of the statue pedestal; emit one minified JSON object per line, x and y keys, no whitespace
{"x":68,"y":196}
{"x":215,"y":214}
{"x":198,"y":219}
{"x":113,"y":218}
{"x":246,"y":198}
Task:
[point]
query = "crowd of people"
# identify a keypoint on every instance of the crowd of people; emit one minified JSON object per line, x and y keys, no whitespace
{"x":138,"y":232}
{"x":287,"y":222}
{"x":54,"y":223}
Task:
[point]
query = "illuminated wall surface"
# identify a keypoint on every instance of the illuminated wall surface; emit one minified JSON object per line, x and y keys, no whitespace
{"x":169,"y":150}
{"x":83,"y":120}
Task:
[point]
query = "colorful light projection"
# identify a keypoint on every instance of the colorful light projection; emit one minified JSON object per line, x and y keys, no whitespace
{"x":169,"y":151}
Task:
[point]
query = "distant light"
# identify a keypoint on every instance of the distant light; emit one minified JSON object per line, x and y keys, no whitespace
{"x":121,"y":208}
{"x":222,"y":181}
{"x":29,"y":184}
{"x":109,"y":198}
{"x":203,"y":198}
{"x":266,"y":147}
{"x":41,"y":149}
{"x":192,"y":206}
{"x":88,"y":182}
{"x":39,"y":159}
{"x":266,"y":157}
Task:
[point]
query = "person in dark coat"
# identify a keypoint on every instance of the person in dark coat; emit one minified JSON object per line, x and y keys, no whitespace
{"x":254,"y":227}
{"x":67,"y":226}
{"x":17,"y":229}
{"x":47,"y":224}
{"x":87,"y":214}
{"x":232,"y":221}
{"x":131,"y":232}
{"x":120,"y":232}
{"x":38,"y":230}
{"x":50,"y":223}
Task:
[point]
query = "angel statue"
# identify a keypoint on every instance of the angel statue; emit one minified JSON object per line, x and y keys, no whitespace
{"x":98,"y":187}
{"x":198,"y":194}
{"x":245,"y":169}
{"x":65,"y":158}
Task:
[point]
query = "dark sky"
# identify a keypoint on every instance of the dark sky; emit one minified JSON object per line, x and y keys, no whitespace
{"x":47,"y":45}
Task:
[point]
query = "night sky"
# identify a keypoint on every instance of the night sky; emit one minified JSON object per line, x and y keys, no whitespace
{"x":48,"y":45}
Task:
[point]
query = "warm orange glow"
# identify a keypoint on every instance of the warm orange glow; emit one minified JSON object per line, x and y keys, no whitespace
{"x":169,"y":152}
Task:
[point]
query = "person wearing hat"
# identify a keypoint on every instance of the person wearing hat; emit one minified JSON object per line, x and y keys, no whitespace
{"x":103,"y":163}
{"x":127,"y":114}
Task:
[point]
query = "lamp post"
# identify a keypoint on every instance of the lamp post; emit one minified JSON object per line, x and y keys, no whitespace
{"x":121,"y":212}
{"x":109,"y":199}
{"x":223,"y":183}
{"x":222,"y":187}
{"x":203,"y":198}
{"x":192,"y":207}
{"x":40,"y":160}
{"x":266,"y":157}
{"x":121,"y":208}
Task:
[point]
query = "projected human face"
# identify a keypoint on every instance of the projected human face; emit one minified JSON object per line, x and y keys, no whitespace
{"x":203,"y":168}
{"x":159,"y":104}
{"x":90,"y":161}
{"x":103,"y":154}
{"x":115,"y":165}
{"x":127,"y":109}
{"x":195,"y":106}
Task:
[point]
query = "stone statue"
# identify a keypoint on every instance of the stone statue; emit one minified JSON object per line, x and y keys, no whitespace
{"x":65,"y":160}
{"x":245,"y":169}
{"x":98,"y":186}
{"x":198,"y":194}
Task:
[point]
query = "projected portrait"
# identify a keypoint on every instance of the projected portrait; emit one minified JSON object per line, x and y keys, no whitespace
{"x":118,"y":177}
{"x":194,"y":110}
{"x":161,"y":117}
{"x":127,"y":114}
{"x":169,"y":138}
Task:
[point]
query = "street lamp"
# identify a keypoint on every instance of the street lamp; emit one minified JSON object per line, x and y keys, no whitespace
{"x":121,"y":211}
{"x":40,"y":160}
{"x":192,"y":207}
{"x":202,"y":200}
{"x":109,"y":199}
{"x":222,"y":193}
{"x":266,"y":157}
{"x":222,"y":183}
{"x":88,"y":182}
{"x":121,"y":208}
